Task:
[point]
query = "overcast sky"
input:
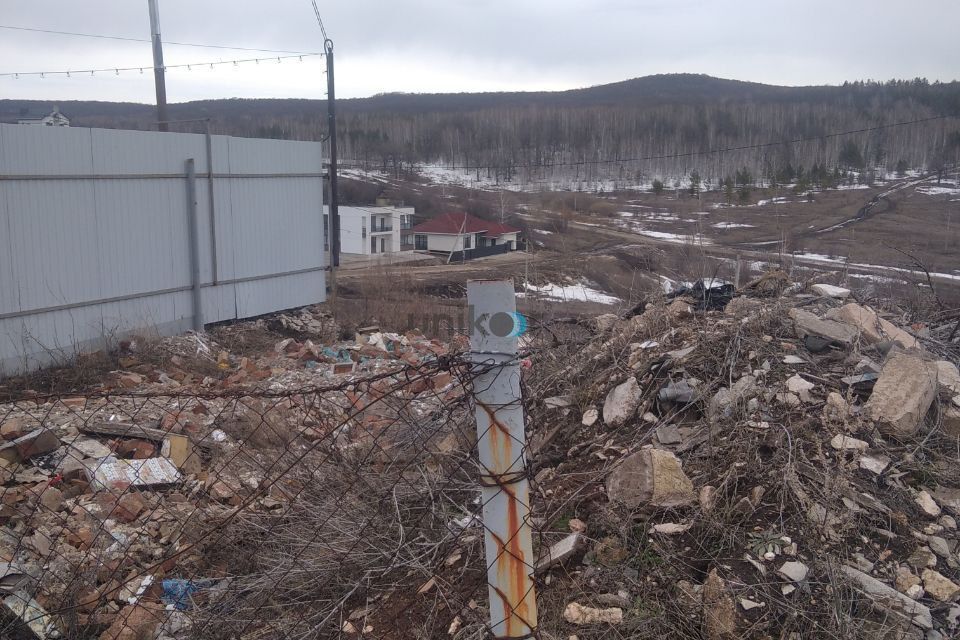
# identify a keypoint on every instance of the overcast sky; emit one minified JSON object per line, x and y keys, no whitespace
{"x":474,"y":45}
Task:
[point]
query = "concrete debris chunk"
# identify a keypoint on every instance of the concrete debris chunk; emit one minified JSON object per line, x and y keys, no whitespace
{"x":905,"y":580}
{"x":669,"y":434}
{"x":799,"y":385}
{"x":652,"y":477}
{"x":33,"y":616}
{"x":842,"y":442}
{"x":621,"y":402}
{"x":836,"y":409}
{"x":927,"y":504}
{"x":921,"y":558}
{"x":560,"y":551}
{"x":874,"y":464}
{"x":90,"y":448}
{"x":948,"y":498}
{"x":903,"y":394}
{"x":35,"y":443}
{"x":557,"y":402}
{"x":606,"y":321}
{"x":12,"y":428}
{"x":719,"y":609}
{"x":938,"y":586}
{"x":809,"y":324}
{"x":939,"y":546}
{"x":590,"y":417}
{"x":888,"y":600}
{"x":708,"y":498}
{"x":872,"y":327}
{"x":726,"y":400}
{"x":793,"y":571}
{"x":951,"y":420}
{"x":670,"y":528}
{"x":576,"y":613}
{"x":830,"y":291}
{"x":948,"y":377}
{"x":749,"y":605}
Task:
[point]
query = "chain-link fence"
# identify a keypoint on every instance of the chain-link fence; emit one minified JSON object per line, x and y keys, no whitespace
{"x":354,"y":508}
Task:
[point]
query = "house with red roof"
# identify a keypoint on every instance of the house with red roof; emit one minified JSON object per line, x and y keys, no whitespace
{"x":456,"y":232}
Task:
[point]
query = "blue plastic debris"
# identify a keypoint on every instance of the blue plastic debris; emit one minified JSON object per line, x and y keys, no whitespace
{"x":340,"y":355}
{"x":177,"y":592}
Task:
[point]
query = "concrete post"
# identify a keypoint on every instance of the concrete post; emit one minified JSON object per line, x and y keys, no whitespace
{"x":213,"y":212}
{"x":194,"y":240}
{"x":501,"y":448}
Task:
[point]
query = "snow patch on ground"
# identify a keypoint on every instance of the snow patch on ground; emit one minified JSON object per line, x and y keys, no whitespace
{"x":579,"y":292}
{"x":777,"y":200}
{"x":819,"y":257}
{"x":938,"y":190}
{"x":732,"y":225}
{"x":543,"y":231}
{"x":673,"y":237}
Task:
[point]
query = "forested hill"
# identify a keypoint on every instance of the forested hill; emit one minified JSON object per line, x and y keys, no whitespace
{"x":525,"y":135}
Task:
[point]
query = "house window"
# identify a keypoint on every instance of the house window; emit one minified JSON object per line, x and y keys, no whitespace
{"x":326,"y":234}
{"x":493,"y":242}
{"x":420,"y":242}
{"x":466,"y":242}
{"x":373,"y":244}
{"x":363,"y":228}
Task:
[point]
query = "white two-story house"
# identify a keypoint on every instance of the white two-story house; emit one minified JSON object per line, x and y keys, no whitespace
{"x":372,"y":230}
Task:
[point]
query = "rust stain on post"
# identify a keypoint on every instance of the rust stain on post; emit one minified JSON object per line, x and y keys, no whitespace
{"x":511,"y":562}
{"x":513,"y":607}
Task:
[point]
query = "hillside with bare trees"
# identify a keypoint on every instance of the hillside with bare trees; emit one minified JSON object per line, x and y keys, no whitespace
{"x":665,"y":126}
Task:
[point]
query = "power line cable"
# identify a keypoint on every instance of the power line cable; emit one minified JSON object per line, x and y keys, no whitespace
{"x":316,"y":11}
{"x":129,"y":39}
{"x":689,"y":154}
{"x":141,"y":69}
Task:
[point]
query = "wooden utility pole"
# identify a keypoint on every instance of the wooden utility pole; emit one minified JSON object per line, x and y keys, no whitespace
{"x":159,"y":78}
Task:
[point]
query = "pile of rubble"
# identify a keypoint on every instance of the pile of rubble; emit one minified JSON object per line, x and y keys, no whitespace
{"x":784,"y":465}
{"x":773,"y":462}
{"x":113,"y":498}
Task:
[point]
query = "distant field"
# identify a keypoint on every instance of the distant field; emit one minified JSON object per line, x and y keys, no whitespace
{"x":878,"y":239}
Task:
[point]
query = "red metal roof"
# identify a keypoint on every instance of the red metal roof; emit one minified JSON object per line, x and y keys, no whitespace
{"x":496,"y":229}
{"x":454,"y":223}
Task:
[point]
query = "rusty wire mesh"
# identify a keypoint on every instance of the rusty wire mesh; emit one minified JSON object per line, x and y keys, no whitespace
{"x":350,"y":509}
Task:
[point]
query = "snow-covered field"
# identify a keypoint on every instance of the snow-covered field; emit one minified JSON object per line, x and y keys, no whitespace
{"x":579,"y":292}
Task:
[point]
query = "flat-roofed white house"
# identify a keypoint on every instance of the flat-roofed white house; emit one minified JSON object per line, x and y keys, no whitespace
{"x":456,"y":232}
{"x":372,"y":230}
{"x":52,"y":119}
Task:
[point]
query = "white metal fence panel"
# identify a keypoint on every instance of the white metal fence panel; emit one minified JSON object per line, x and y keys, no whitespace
{"x":95,"y":241}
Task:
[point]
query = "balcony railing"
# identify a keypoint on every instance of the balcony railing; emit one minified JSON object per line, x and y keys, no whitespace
{"x":382,"y":229}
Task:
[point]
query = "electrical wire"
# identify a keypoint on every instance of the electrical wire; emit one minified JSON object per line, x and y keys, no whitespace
{"x":316,"y":11}
{"x":117,"y":70}
{"x":690,"y":154}
{"x":147,"y":40}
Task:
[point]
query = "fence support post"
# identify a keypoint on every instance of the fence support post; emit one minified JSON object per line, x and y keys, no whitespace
{"x":501,"y":446}
{"x":194,"y":240}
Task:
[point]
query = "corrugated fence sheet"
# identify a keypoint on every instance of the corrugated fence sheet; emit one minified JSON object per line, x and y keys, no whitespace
{"x":95,"y":235}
